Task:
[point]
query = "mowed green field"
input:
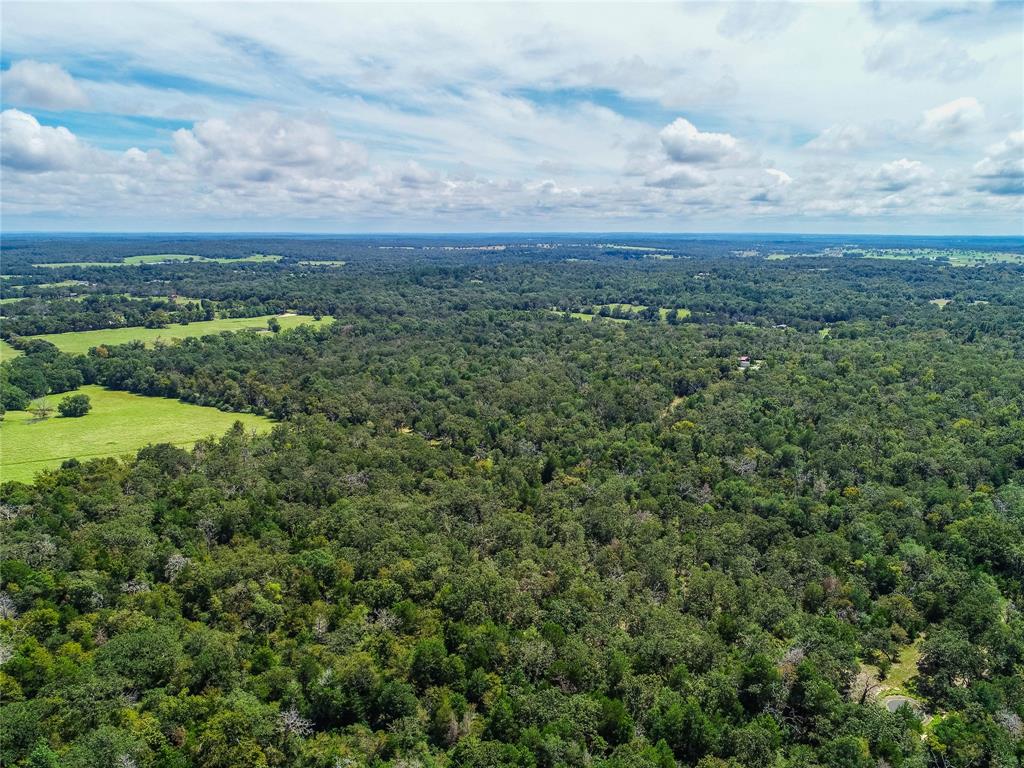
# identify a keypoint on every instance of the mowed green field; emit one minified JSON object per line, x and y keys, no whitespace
{"x":118,"y":423}
{"x":163,"y":258}
{"x":957,"y":257}
{"x":680,"y":313}
{"x":80,"y":342}
{"x":7,"y":351}
{"x":62,"y":284}
{"x":587,"y":317}
{"x":158,"y":258}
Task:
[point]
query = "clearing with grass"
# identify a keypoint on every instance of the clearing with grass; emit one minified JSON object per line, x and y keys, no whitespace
{"x":623,"y":313}
{"x":166,"y":258}
{"x":119,"y":423}
{"x":80,"y":342}
{"x":7,"y":351}
{"x":957,"y":257}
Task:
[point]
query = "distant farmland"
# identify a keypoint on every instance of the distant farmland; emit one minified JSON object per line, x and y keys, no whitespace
{"x":622,"y":313}
{"x":80,"y":342}
{"x":164,"y":258}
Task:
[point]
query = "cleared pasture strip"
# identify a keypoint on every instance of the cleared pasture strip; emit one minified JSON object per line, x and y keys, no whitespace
{"x":163,"y":258}
{"x":80,"y":342}
{"x":166,"y":258}
{"x":7,"y":351}
{"x":119,"y":423}
{"x":629,"y":309}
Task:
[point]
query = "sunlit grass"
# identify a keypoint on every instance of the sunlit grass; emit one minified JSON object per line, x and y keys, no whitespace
{"x":119,"y":423}
{"x":80,"y":342}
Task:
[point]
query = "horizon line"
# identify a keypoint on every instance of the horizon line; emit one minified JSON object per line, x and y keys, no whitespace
{"x":496,"y":233}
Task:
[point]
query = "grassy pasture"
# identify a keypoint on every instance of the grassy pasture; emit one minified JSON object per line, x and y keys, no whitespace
{"x":164,"y":258}
{"x":632,"y":309}
{"x":680,"y":313}
{"x":321,"y":263}
{"x":119,"y":423}
{"x":80,"y":342}
{"x":62,"y":284}
{"x":159,"y":258}
{"x":641,"y":248}
{"x":587,"y":317}
{"x":957,"y":257}
{"x":7,"y":351}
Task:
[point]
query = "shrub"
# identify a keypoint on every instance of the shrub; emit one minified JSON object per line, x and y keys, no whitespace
{"x":74,"y":405}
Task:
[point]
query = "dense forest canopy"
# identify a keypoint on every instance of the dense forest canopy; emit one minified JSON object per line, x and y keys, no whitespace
{"x":518,"y":511}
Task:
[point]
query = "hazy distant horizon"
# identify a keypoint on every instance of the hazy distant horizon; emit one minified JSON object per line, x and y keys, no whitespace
{"x":503,"y":233}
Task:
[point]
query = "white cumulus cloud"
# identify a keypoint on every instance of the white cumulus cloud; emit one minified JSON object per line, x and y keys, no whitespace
{"x":265,"y":147}
{"x":416,"y":176}
{"x":28,"y":146}
{"x":774,"y":190}
{"x":29,"y":83}
{"x":683,"y":143}
{"x":900,"y":174}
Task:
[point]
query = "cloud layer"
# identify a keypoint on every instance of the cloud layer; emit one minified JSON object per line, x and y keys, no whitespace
{"x":29,"y":83}
{"x":699,"y":116}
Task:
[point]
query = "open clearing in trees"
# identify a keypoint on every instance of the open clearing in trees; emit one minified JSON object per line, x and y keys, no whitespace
{"x":623,"y":313}
{"x":119,"y":423}
{"x":164,"y":258}
{"x":7,"y":351}
{"x":80,"y":342}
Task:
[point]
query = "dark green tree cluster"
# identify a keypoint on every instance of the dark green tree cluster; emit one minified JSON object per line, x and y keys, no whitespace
{"x":92,"y":312}
{"x":41,"y":370}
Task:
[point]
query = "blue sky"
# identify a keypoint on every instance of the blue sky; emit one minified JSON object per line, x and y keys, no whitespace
{"x":756,"y":116}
